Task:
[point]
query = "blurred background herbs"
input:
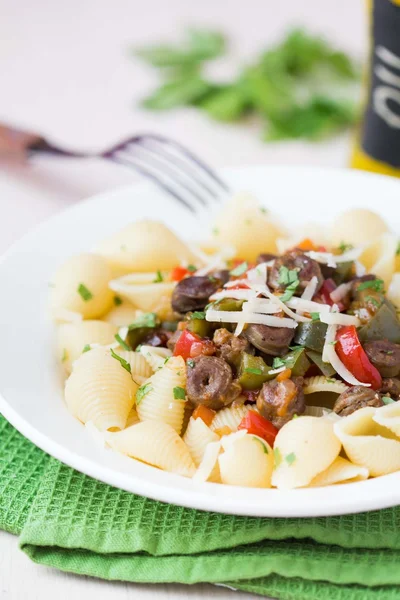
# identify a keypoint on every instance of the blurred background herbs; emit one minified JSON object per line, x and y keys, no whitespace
{"x":301,"y":88}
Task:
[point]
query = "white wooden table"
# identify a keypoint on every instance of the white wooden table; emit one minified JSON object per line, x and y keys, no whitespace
{"x":66,"y":72}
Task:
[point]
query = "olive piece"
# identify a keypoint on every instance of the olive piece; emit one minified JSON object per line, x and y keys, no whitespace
{"x":270,"y":340}
{"x":306,"y":268}
{"x":385,"y":356}
{"x":354,"y":398}
{"x":209,"y":382}
{"x":278,"y":401}
{"x":192,"y":293}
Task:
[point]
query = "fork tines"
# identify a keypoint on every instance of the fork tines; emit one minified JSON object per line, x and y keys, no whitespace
{"x":174,"y":168}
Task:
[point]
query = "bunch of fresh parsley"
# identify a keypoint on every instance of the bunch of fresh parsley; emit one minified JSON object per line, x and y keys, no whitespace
{"x":300,"y":88}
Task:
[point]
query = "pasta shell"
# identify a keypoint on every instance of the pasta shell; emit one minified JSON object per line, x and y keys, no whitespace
{"x":155,"y":443}
{"x":132,"y":417}
{"x":208,"y":470}
{"x":73,"y":337}
{"x":303,"y":448}
{"x":229,"y":417}
{"x":140,"y":368}
{"x":357,"y":226}
{"x":247,"y":462}
{"x":367,"y":443}
{"x":132,"y":249}
{"x":394,"y":288}
{"x":320,"y":383}
{"x":142,"y":292}
{"x":100,"y":390}
{"x":340,"y":471}
{"x":379,"y":256}
{"x":196,"y":438}
{"x":159,"y":403}
{"x":155,"y":356}
{"x":123,"y":315}
{"x":81,"y":285}
{"x":389,"y":416}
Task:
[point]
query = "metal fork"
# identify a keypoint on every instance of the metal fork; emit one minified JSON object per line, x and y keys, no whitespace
{"x":170,"y":165}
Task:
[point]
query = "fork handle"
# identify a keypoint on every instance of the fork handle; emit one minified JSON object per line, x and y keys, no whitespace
{"x":16,"y":144}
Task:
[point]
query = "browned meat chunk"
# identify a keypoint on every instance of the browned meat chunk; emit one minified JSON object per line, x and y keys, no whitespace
{"x":173,"y":339}
{"x":391,"y":386}
{"x":295,"y":259}
{"x":278,"y":401}
{"x":354,"y":398}
{"x":209,"y":382}
{"x":230,"y":347}
{"x":192,"y":293}
{"x":265,"y":257}
{"x":385,"y":356}
{"x":271,"y":340}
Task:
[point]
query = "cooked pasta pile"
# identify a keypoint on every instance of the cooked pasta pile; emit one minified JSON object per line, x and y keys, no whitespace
{"x":258,"y":359}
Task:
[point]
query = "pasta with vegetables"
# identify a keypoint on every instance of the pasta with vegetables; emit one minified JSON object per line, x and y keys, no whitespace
{"x":264,"y":361}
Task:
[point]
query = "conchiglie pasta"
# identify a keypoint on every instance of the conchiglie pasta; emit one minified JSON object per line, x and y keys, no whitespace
{"x":369,"y":444}
{"x":389,"y":416}
{"x":159,"y":399}
{"x":248,"y":461}
{"x":319,"y":383}
{"x":245,"y":225}
{"x":81,"y":285}
{"x":229,"y":417}
{"x":139,"y":366}
{"x":379,"y":257}
{"x":340,"y":471}
{"x":143,"y":247}
{"x":394,"y":290}
{"x":155,"y":356}
{"x":357,"y":227}
{"x":196,"y":438}
{"x":208,"y":469}
{"x":132,"y":417}
{"x":143,"y":293}
{"x":100,"y":390}
{"x":303,"y":448}
{"x":155,"y":443}
{"x":122,"y":315}
{"x":73,"y":337}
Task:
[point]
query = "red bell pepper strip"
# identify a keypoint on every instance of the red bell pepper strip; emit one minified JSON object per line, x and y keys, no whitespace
{"x":354,"y":358}
{"x":257,"y":425}
{"x":178,"y":273}
{"x":190,"y":345}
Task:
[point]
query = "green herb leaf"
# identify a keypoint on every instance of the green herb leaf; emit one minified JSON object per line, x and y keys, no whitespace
{"x":333,"y":343}
{"x":179,"y":92}
{"x":117,"y":301}
{"x":159,"y":278}
{"x":373,"y":301}
{"x":122,"y":361}
{"x":198,"y":315}
{"x":289,"y":292}
{"x":278,"y":363}
{"x":146,"y":320}
{"x":179,"y":393}
{"x":389,"y":352}
{"x":329,"y":380}
{"x":387,"y":400}
{"x":142,"y":392}
{"x":290,"y":458}
{"x":277,"y":457}
{"x":375,"y":284}
{"x":239,"y":270}
{"x":295,"y":416}
{"x":289,"y":279}
{"x":122,"y":343}
{"x":191,"y":268}
{"x":253,"y":371}
{"x":264,"y":210}
{"x":343,"y":247}
{"x":398,"y":249}
{"x":86,"y":348}
{"x":84,"y":293}
{"x":138,"y":348}
{"x":190,"y":363}
{"x":263,"y":444}
{"x":227,"y":104}
{"x":315,"y":316}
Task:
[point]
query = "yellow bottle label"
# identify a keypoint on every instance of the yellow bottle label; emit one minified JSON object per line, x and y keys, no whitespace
{"x":378,"y":141}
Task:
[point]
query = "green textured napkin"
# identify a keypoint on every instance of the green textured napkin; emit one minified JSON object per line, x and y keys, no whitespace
{"x":71,"y":522}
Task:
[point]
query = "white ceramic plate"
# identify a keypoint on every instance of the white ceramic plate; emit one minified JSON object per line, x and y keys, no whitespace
{"x":30,"y":386}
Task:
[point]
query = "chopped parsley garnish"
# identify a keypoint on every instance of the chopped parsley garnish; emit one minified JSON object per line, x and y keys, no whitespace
{"x":288,"y":278}
{"x":142,"y":392}
{"x":372,"y":301}
{"x":263,"y":210}
{"x":314,"y":316}
{"x":277,"y":457}
{"x":166,"y":360}
{"x":191,"y":268}
{"x":124,"y":363}
{"x":122,"y":343}
{"x":190,"y":363}
{"x":84,"y":293}
{"x":86,"y":348}
{"x":264,"y":446}
{"x":197,"y":314}
{"x":239,"y":270}
{"x":333,"y":343}
{"x":387,"y":400}
{"x":375,"y":284}
{"x":295,"y":416}
{"x":398,"y":249}
{"x":64,"y":356}
{"x":290,"y":458}
{"x":138,"y":348}
{"x":179,"y":393}
{"x":117,"y":301}
{"x":389,"y":352}
{"x":212,"y":279}
{"x":331,"y":380}
{"x":146,"y":320}
{"x":159,"y":278}
{"x":253,"y":371}
{"x":278,"y":363}
{"x":343,"y":247}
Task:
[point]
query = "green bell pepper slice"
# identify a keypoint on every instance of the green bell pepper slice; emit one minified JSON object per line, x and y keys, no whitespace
{"x":311,"y":335}
{"x":384,"y":325}
{"x":297,"y":362}
{"x":253,"y":372}
{"x":325,"y":368}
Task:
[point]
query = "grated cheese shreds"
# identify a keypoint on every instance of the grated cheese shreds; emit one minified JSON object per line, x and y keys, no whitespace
{"x":236,"y":282}
{"x":259,"y":273}
{"x":217,"y":261}
{"x":340,"y":292}
{"x":339,"y":319}
{"x":332,"y":260}
{"x":223,"y":316}
{"x":235,"y":294}
{"x":310,"y":289}
{"x":307,"y":305}
{"x":260,"y":305}
{"x":208,"y":462}
{"x":265,"y":292}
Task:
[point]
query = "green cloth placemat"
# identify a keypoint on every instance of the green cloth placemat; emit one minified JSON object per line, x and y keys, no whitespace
{"x":71,"y":522}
